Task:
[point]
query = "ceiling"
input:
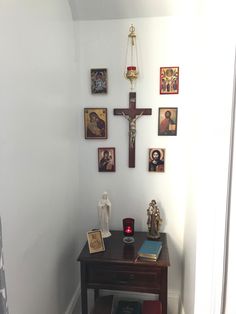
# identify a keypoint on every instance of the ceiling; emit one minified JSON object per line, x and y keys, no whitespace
{"x":120,"y":9}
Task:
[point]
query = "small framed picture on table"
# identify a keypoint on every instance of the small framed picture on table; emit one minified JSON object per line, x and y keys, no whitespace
{"x":95,"y":241}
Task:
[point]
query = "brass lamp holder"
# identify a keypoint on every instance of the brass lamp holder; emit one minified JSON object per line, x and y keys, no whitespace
{"x":131,"y":69}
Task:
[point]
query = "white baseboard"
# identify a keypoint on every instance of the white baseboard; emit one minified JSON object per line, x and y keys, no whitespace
{"x":173,"y":302}
{"x":74,"y":300}
{"x":182,"y":311}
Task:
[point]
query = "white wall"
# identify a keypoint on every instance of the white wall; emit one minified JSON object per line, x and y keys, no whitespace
{"x":192,"y":191}
{"x":39,"y":155}
{"x":43,"y":203}
{"x":230,"y":299}
{"x":210,"y":186}
{"x":103,"y":44}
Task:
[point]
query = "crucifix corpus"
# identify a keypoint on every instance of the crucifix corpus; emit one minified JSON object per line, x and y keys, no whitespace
{"x":132,"y":114}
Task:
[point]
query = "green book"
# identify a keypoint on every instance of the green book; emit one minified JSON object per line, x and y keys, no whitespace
{"x":150,"y":249}
{"x":129,"y":307}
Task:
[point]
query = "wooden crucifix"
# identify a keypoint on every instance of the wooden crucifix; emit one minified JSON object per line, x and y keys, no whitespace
{"x":132,"y":114}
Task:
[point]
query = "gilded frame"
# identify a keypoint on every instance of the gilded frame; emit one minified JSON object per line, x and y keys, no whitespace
{"x":95,"y":241}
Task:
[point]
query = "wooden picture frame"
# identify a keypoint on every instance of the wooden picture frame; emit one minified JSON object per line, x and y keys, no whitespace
{"x":95,"y":123}
{"x":98,"y":81}
{"x":156,"y":161}
{"x":169,"y":80}
{"x":167,"y":121}
{"x":95,"y":241}
{"x":106,"y":159}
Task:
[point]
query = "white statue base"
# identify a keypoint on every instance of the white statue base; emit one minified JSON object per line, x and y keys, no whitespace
{"x":106,"y":234}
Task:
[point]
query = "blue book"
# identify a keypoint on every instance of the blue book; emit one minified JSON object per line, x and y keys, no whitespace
{"x":150,"y":249}
{"x":129,"y":307}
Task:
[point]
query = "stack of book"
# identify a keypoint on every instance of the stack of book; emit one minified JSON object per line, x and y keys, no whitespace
{"x":151,"y":307}
{"x":149,"y":250}
{"x":138,"y":307}
{"x":129,"y":307}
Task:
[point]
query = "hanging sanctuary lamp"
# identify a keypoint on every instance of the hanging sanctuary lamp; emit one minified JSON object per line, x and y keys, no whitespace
{"x":131,"y":71}
{"x":132,"y":113}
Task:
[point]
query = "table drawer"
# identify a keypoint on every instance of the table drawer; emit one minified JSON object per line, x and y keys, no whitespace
{"x":124,"y":276}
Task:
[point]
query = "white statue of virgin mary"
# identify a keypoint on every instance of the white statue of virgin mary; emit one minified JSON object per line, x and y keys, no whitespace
{"x":104,"y":214}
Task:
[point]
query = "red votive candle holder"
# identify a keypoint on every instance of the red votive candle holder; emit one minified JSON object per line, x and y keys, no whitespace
{"x":128,"y":230}
{"x":131,"y":68}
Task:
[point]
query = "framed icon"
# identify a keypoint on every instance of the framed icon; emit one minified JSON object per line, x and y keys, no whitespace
{"x":95,"y":123}
{"x":167,"y":121}
{"x":106,"y":159}
{"x":95,"y":241}
{"x":98,"y":81}
{"x":156,"y":160}
{"x":169,"y":80}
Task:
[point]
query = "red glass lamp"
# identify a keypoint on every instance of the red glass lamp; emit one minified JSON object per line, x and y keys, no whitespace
{"x":128,"y":230}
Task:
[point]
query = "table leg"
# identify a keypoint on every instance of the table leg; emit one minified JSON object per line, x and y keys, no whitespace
{"x":163,"y":293}
{"x":96,"y":294}
{"x":84,"y":295}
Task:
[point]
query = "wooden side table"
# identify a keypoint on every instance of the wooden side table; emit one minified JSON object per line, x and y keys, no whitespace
{"x":103,"y":305}
{"x":117,"y":269}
